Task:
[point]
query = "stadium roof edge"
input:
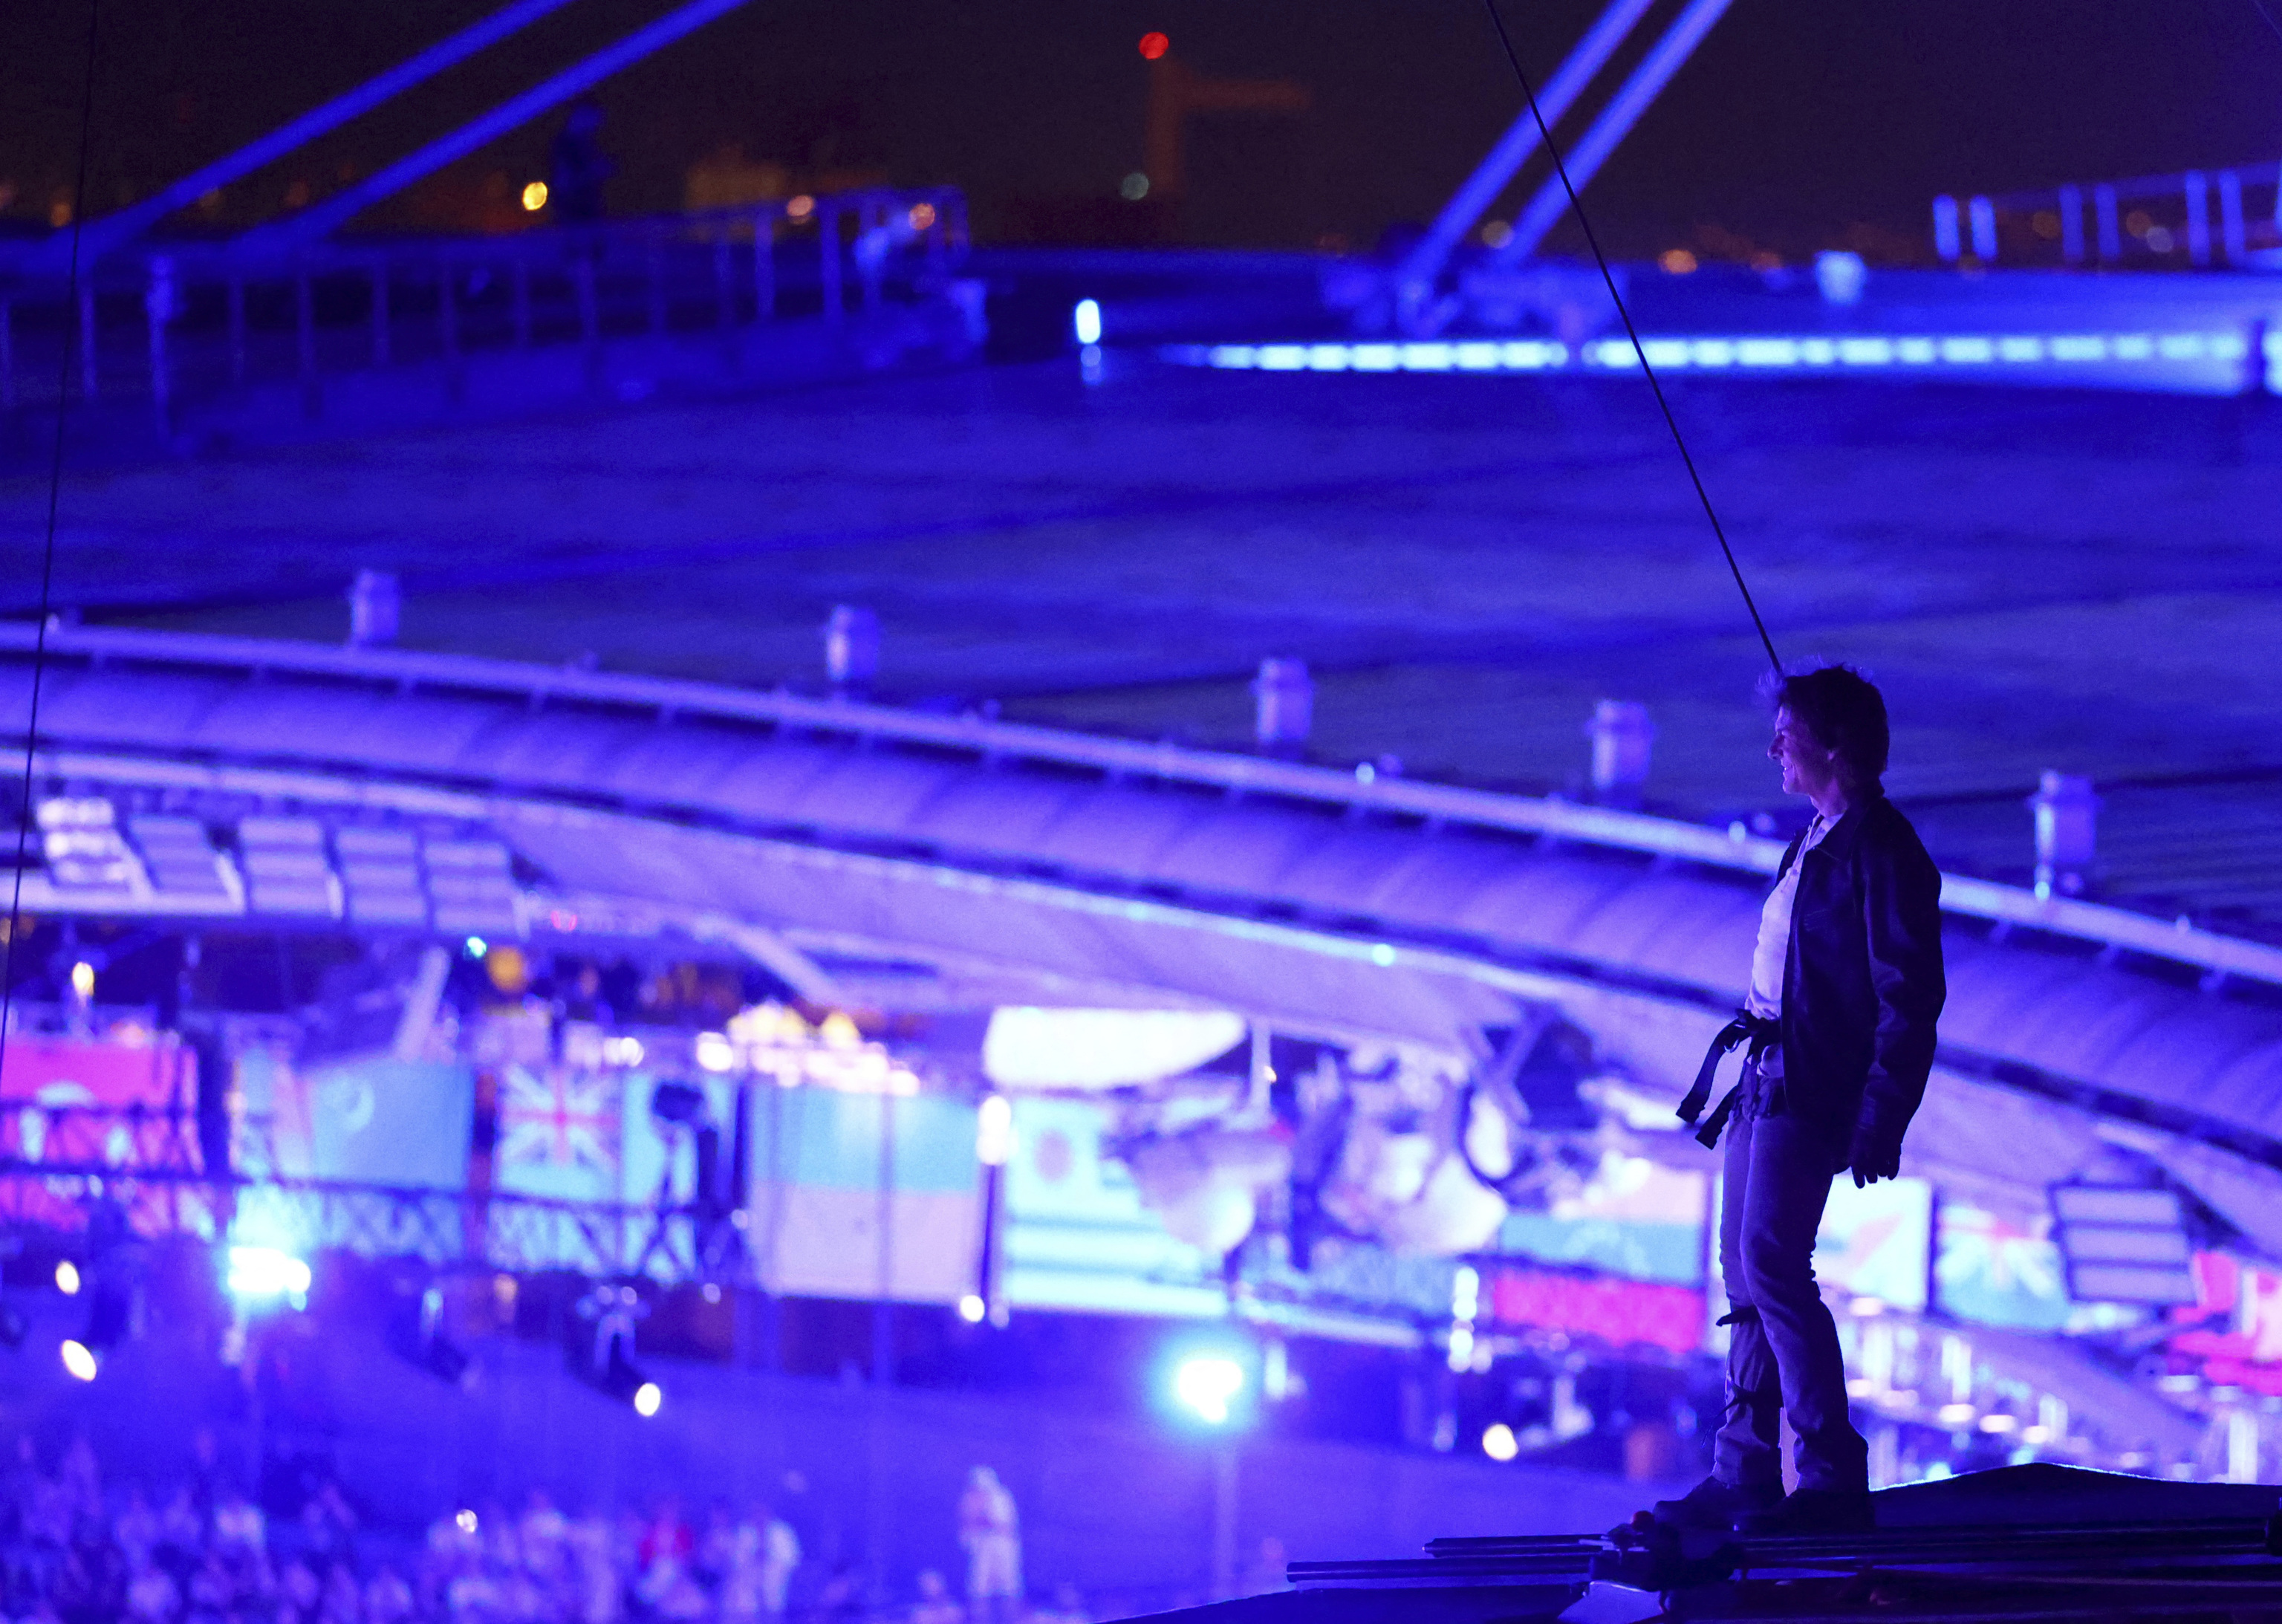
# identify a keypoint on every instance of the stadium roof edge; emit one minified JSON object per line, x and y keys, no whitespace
{"x":1363,"y":788}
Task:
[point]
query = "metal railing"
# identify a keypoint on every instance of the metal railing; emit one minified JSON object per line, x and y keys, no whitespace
{"x":1365,"y":788}
{"x":448,"y":1229}
{"x":2169,"y":221}
{"x":192,"y":322}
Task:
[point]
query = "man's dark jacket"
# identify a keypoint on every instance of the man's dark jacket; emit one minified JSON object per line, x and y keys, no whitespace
{"x":1863,"y":983}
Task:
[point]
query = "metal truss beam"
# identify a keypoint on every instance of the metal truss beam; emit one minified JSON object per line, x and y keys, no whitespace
{"x":311,"y":223}
{"x":114,"y":231}
{"x":449,"y":1230}
{"x":1616,"y":122}
{"x":1414,"y":281}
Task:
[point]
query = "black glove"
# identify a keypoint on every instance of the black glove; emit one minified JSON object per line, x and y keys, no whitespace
{"x":1875,"y":1154}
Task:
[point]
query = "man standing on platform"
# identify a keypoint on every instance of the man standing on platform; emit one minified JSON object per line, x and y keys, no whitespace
{"x":1846,"y":985}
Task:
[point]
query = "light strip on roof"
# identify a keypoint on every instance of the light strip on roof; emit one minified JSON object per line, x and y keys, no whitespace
{"x":1772,"y":352}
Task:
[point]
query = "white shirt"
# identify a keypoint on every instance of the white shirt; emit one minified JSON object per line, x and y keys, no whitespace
{"x":1773,"y":948}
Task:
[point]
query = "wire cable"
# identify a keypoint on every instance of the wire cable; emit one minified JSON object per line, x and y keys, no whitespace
{"x":48,"y":556}
{"x":1703,"y":495}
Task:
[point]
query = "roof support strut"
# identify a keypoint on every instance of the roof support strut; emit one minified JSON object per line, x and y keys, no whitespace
{"x":320,"y":218}
{"x":1413,"y":282}
{"x":116,"y":230}
{"x":1614,"y":124}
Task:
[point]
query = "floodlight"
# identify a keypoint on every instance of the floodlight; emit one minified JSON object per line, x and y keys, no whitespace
{"x":78,"y":1360}
{"x":1207,"y":1384}
{"x":994,"y":1131}
{"x":415,"y":1334}
{"x":603,"y":1358}
{"x":261,"y":1274}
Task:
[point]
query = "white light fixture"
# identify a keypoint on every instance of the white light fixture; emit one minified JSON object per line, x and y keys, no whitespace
{"x":1027,"y":1048}
{"x":258,"y":1273}
{"x":994,"y":1131}
{"x":1085,"y":322}
{"x":1206,"y":1384}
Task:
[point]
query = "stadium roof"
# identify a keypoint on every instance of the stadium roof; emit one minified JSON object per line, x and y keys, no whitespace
{"x":1012,"y":863}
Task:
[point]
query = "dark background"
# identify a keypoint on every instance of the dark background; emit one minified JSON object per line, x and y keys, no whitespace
{"x":1794,"y":122}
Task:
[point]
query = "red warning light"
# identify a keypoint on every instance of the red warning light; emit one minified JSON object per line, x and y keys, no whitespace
{"x":1155,"y":45}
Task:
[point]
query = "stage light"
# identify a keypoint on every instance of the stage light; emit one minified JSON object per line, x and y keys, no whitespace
{"x":1207,"y":1384}
{"x":1155,"y":45}
{"x":715,"y":1052}
{"x":972,"y":1308}
{"x":994,"y":1131}
{"x":800,"y":207}
{"x":415,"y":1334}
{"x":1085,"y":322}
{"x":622,"y":1380}
{"x":83,"y":980}
{"x":922,"y":216}
{"x":1499,"y":1443}
{"x":507,"y":969}
{"x":465,"y":1521}
{"x":534,"y":196}
{"x":259,"y":1273}
{"x":602,"y":1357}
{"x":78,"y":1360}
{"x":67,"y":1279}
{"x":478,"y":947}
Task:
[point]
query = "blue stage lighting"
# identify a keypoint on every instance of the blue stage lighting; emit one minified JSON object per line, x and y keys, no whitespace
{"x":259,"y":1274}
{"x":1208,"y":1386}
{"x":1085,"y":322}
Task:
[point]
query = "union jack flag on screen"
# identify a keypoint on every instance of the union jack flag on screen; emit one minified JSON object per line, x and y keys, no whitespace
{"x":559,"y":1119}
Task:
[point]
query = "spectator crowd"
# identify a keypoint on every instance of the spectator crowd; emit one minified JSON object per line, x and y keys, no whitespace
{"x":75,"y":1551}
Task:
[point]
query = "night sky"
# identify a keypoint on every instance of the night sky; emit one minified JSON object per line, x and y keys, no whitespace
{"x":1793,"y":122}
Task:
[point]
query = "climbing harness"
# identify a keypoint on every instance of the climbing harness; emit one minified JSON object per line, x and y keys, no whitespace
{"x":1762,"y":1034}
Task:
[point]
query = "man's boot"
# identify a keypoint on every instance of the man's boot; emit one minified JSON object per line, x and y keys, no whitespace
{"x":1810,"y":1511}
{"x":1716,"y":1503}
